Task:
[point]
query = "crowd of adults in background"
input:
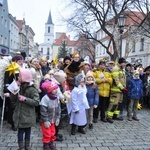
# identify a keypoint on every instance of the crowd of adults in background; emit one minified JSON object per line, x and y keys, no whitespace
{"x":101,"y":91}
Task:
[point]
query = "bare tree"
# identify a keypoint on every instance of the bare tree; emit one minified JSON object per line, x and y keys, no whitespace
{"x":88,"y":16}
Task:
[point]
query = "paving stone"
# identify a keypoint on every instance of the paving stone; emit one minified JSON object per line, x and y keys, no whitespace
{"x":121,"y":135}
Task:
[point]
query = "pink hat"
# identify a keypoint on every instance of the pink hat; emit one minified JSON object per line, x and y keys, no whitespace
{"x":25,"y":75}
{"x":49,"y":86}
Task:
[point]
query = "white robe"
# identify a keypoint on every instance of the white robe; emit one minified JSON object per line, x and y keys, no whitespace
{"x":79,"y":103}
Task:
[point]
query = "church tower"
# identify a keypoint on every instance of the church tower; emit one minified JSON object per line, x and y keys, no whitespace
{"x":49,"y":30}
{"x":46,"y":47}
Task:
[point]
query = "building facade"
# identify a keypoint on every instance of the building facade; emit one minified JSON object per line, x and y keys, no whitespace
{"x":60,"y":38}
{"x":4,"y":27}
{"x":14,"y":35}
{"x":135,"y":46}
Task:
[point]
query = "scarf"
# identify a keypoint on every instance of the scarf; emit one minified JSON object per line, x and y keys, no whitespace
{"x":51,"y":96}
{"x":89,"y":82}
{"x":74,"y":66}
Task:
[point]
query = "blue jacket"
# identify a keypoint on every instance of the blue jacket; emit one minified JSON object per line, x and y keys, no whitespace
{"x":135,"y":88}
{"x":92,"y":94}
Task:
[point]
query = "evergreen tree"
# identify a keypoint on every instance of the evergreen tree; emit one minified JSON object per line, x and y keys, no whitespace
{"x":62,"y":50}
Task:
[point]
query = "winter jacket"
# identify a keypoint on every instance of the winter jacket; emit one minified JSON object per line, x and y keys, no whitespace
{"x":73,"y":70}
{"x":45,"y":70}
{"x":50,"y":109}
{"x":135,"y":88}
{"x":104,"y":88}
{"x":37,"y":76}
{"x":119,"y":79}
{"x":92,"y":94}
{"x":24,"y":115}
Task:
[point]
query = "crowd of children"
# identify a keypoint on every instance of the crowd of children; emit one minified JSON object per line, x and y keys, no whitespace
{"x":87,"y":92}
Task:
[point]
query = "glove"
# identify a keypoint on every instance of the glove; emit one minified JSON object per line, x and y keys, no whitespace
{"x":7,"y":94}
{"x":125,"y":89}
{"x":57,"y":122}
{"x":22,"y":98}
{"x":95,"y":106}
{"x":47,"y":124}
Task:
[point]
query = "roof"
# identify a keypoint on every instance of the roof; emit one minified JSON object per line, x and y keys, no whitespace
{"x":58,"y":41}
{"x":132,"y":18}
{"x":49,"y":20}
{"x":20,"y":23}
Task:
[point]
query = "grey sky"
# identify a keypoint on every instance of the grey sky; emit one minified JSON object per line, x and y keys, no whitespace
{"x":36,"y":13}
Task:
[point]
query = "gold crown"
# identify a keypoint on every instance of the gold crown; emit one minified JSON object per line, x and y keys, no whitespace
{"x":75,"y":55}
{"x":103,"y":60}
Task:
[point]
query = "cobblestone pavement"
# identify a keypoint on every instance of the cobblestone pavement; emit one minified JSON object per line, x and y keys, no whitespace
{"x":121,"y":135}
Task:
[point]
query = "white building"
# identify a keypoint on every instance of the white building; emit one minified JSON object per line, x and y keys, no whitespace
{"x":46,"y":47}
{"x":14,"y":34}
{"x":135,"y":47}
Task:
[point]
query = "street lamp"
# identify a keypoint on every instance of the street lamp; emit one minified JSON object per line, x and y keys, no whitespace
{"x":121,"y":24}
{"x":79,"y":50}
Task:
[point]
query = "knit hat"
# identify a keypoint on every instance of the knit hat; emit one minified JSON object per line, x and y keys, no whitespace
{"x":34,"y":60}
{"x":128,"y":64}
{"x":25,"y":75}
{"x":121,"y":60}
{"x":89,"y":74}
{"x":60,"y":76}
{"x":51,"y":72}
{"x":17,"y":57}
{"x":66,"y":58}
{"x":49,"y":86}
{"x":47,"y":77}
{"x":87,"y":62}
{"x":79,"y":78}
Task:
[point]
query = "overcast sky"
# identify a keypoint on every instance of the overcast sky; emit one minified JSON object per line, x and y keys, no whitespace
{"x":36,"y":13}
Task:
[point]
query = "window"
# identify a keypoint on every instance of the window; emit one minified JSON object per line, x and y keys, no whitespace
{"x":100,"y":50}
{"x":5,"y":41}
{"x":11,"y":43}
{"x":97,"y":51}
{"x":142,"y":44}
{"x":133,"y":48}
{"x":11,"y":28}
{"x":48,"y":29}
{"x":2,"y":20}
{"x":42,"y":49}
{"x":5,"y":23}
{"x":70,"y":50}
{"x":64,"y":41}
{"x":132,"y":60}
{"x":1,"y":39}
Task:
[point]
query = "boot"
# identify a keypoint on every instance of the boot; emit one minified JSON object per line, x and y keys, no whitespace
{"x":81,"y":130}
{"x":109,"y":120}
{"x":130,"y":118}
{"x":51,"y":145}
{"x":46,"y":146}
{"x":21,"y":146}
{"x":115,"y":117}
{"x":59,"y":137}
{"x":73,"y":129}
{"x":27,"y":145}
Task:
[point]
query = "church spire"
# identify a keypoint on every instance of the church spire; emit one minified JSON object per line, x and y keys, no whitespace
{"x":49,"y":20}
